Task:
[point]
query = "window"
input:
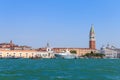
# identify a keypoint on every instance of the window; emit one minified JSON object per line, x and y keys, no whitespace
{"x":20,"y":54}
{"x":7,"y":54}
{"x":32,"y":54}
{"x":0,"y":56}
{"x":48,"y":54}
{"x":26,"y":55}
{"x":14,"y":54}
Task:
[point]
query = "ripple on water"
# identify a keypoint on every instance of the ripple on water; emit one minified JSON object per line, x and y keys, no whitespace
{"x":60,"y":69}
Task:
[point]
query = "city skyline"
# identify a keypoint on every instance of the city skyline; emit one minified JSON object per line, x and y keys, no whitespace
{"x":61,"y":23}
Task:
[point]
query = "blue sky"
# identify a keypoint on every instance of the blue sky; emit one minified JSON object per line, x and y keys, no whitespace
{"x":62,"y":23}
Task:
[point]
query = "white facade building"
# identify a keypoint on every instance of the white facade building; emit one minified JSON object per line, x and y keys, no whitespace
{"x":25,"y":54}
{"x":110,"y":51}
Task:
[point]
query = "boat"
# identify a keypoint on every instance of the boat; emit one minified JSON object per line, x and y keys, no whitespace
{"x":65,"y":55}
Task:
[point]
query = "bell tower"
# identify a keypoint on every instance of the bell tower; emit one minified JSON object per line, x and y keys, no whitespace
{"x":11,"y":45}
{"x":92,"y":41}
{"x":48,"y":47}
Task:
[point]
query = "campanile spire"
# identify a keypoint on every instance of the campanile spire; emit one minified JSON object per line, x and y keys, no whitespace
{"x":92,"y":42}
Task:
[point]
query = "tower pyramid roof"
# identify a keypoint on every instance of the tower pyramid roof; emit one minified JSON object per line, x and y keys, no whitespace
{"x":92,"y":29}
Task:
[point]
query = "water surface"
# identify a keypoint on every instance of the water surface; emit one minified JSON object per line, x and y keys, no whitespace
{"x":60,"y":69}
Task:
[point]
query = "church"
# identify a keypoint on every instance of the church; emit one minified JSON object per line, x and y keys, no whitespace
{"x":82,"y":51}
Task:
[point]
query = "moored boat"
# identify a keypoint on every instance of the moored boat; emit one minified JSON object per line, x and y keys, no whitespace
{"x":65,"y":55}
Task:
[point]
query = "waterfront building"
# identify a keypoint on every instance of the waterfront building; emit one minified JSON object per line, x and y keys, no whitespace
{"x":83,"y":51}
{"x":110,"y":51}
{"x":25,"y":54}
{"x":118,"y":52}
{"x":10,"y":50}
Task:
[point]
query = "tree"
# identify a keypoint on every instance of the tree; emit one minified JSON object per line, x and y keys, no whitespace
{"x":73,"y":52}
{"x":94,"y":55}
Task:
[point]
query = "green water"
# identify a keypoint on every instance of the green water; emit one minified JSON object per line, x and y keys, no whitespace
{"x":60,"y":69}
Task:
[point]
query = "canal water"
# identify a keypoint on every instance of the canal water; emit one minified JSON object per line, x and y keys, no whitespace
{"x":60,"y":69}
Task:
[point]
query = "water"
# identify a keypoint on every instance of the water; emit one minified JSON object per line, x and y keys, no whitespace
{"x":60,"y":69}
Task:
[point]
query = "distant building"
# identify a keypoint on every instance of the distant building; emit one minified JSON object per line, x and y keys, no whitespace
{"x":118,"y":53}
{"x":10,"y":50}
{"x":110,"y":51}
{"x":83,"y":51}
{"x":12,"y":46}
{"x":25,"y":54}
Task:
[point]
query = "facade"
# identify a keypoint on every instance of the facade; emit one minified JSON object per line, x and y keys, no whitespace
{"x":118,"y":53}
{"x":10,"y":50}
{"x":110,"y":51}
{"x":25,"y":54}
{"x":82,"y":51}
{"x":79,"y":51}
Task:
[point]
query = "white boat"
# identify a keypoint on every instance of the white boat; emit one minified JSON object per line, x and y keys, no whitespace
{"x":65,"y":55}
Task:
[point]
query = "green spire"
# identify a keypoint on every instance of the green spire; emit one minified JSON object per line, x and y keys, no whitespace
{"x":92,"y":29}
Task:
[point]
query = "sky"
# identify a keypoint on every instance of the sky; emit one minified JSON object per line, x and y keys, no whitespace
{"x":61,"y":23}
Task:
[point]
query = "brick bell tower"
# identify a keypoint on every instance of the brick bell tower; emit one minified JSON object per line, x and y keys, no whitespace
{"x":92,"y":42}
